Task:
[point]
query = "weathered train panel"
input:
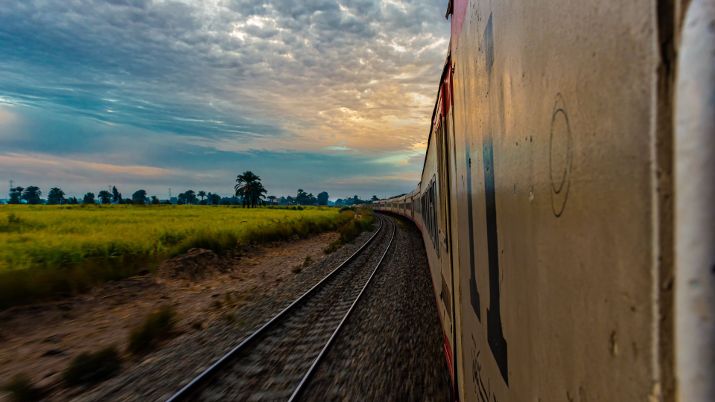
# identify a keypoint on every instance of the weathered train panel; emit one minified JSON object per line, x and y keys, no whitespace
{"x":556,"y":116}
{"x":545,"y":201}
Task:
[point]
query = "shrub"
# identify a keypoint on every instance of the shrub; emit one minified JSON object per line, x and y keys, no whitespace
{"x":308,"y":260}
{"x":306,"y":263}
{"x":156,"y":327}
{"x":93,"y":367}
{"x":21,"y":389}
{"x":13,"y":219}
{"x":355,"y":224}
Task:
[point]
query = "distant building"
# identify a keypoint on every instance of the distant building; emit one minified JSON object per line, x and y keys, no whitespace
{"x":174,"y":200}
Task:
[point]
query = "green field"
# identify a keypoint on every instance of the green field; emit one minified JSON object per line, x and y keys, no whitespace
{"x":47,"y":251}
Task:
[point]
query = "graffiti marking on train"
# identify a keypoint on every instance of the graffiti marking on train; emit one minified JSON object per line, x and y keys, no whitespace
{"x":473,"y":290}
{"x":495,"y":334}
{"x":489,"y":45}
{"x":481,"y":388}
{"x":560,"y":156}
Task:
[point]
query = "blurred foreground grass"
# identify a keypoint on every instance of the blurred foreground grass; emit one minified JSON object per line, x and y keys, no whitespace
{"x":50,"y":251}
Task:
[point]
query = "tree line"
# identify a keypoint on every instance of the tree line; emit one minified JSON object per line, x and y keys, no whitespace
{"x":249,"y":192}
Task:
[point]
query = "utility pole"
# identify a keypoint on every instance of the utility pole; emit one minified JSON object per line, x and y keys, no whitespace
{"x":11,"y":187}
{"x":169,"y":193}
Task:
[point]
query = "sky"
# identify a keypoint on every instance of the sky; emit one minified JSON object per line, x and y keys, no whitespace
{"x":322,"y":95}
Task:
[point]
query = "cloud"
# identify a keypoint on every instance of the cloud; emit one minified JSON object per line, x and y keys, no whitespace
{"x":51,"y":166}
{"x":311,"y":76}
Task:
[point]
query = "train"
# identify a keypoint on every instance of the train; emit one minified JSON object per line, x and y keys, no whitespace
{"x":567,"y":199}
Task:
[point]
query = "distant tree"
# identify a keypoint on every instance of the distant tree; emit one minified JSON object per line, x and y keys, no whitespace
{"x":202,"y":195}
{"x":301,"y":197}
{"x":271,"y":199}
{"x":323,"y":198}
{"x":155,"y":200}
{"x":214,"y":199}
{"x":354,"y":200}
{"x":139,"y":197}
{"x":116,"y":195}
{"x":249,"y":188}
{"x":190,"y":196}
{"x":105,"y":197}
{"x":187,"y":197}
{"x":230,"y":201}
{"x":32,"y":195}
{"x":72,"y":200}
{"x":56,"y":196}
{"x":15,"y":195}
{"x":374,"y":198}
{"x":88,"y":198}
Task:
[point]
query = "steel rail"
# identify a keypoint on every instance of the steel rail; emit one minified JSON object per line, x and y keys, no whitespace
{"x":301,"y":386}
{"x":205,"y":375}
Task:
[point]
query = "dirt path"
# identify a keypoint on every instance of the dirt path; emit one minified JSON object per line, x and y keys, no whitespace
{"x":40,"y":340}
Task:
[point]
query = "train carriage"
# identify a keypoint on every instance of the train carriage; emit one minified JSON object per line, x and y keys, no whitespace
{"x":546,"y":201}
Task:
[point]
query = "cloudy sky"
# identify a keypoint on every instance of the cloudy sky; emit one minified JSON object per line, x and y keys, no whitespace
{"x":318,"y":94}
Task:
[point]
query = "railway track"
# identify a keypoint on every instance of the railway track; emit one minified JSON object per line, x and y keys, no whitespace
{"x":277,"y":360}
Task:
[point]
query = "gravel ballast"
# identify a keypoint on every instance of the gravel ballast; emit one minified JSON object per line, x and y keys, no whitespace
{"x":274,"y":362}
{"x":390,"y":349}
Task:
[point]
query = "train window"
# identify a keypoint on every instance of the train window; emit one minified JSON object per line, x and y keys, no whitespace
{"x":428,"y":212}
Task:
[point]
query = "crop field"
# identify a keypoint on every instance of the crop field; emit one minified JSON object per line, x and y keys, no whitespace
{"x":46,"y":251}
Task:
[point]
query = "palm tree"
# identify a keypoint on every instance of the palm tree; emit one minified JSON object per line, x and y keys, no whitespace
{"x":201,"y":195}
{"x":249,"y":188}
{"x":190,"y":197}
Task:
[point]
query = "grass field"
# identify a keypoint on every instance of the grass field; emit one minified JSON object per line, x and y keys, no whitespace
{"x":46,"y":251}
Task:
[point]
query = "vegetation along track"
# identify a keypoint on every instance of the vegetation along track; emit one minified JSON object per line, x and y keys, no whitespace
{"x":274,"y":362}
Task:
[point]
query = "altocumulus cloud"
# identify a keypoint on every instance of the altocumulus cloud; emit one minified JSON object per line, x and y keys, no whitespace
{"x":332,"y":95}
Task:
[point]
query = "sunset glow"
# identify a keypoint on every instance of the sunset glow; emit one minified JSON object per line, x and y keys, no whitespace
{"x":149,"y":93}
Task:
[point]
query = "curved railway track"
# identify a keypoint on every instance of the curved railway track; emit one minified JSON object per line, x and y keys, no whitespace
{"x":276,"y":361}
